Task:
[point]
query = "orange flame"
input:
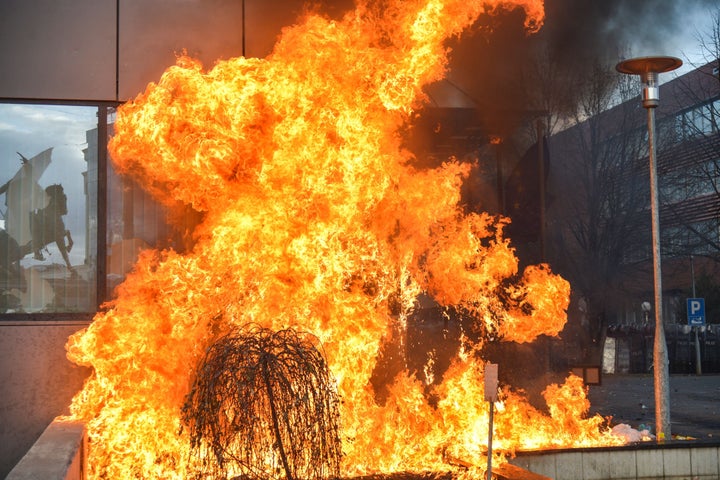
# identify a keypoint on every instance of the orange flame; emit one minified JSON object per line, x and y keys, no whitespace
{"x":314,"y":218}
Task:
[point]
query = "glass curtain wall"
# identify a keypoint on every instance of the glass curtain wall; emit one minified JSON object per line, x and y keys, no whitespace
{"x":48,"y":208}
{"x":59,"y":199}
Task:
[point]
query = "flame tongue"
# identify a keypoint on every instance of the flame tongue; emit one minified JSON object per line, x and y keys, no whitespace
{"x":313,"y":218}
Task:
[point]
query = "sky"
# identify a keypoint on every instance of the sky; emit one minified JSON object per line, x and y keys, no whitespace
{"x":683,"y":41}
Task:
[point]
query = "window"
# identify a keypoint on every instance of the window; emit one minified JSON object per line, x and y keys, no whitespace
{"x":59,"y":199}
{"x":48,"y":208}
{"x":700,"y":120}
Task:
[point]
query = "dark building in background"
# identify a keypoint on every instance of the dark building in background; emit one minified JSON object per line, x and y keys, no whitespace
{"x":599,"y":227}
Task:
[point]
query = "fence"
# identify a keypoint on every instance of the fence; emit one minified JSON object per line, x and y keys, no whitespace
{"x":634,"y":348}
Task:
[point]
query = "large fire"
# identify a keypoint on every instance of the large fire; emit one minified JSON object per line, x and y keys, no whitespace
{"x":313,"y":217}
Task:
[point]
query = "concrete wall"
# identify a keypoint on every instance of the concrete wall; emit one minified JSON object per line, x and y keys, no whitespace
{"x":37,"y":381}
{"x":678,"y":460}
{"x":59,"y":454}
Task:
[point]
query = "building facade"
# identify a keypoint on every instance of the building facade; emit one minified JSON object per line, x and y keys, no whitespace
{"x":599,"y":222}
{"x":66,"y":67}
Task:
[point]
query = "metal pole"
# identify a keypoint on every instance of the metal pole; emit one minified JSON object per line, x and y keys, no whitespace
{"x":541,"y":169}
{"x":648,"y":68}
{"x":491,"y":394}
{"x":698,"y":357}
{"x":692,"y":274}
{"x":500,"y":179}
{"x":661,"y":373}
{"x":490,"y":435}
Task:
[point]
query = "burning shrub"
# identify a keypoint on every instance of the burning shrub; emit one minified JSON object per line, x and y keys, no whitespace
{"x":264,"y":402}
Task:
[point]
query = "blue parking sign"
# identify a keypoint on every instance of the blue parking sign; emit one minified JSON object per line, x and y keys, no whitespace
{"x":696,"y":311}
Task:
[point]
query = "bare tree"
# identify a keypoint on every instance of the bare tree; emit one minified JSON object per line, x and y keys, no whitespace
{"x":689,"y":160}
{"x":709,"y":41}
{"x":601,"y":197}
{"x":264,"y":403}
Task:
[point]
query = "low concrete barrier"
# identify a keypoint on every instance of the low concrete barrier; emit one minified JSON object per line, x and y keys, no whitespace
{"x":676,"y":460}
{"x":59,"y":454}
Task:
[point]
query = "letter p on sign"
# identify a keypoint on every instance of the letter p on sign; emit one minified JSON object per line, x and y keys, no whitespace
{"x":695,"y":306}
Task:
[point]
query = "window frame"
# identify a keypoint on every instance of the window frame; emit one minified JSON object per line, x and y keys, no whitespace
{"x":103,"y":110}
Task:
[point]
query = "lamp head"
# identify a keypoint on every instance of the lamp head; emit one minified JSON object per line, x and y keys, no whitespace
{"x":648,"y":68}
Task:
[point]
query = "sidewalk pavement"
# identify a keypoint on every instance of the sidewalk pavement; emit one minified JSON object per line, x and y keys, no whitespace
{"x":629,"y":399}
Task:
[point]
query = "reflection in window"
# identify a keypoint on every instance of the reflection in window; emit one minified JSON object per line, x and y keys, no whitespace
{"x":136,"y":222}
{"x":48,"y":209}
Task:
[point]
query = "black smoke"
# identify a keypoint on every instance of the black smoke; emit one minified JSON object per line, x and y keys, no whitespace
{"x":577,"y":29}
{"x":494,"y":65}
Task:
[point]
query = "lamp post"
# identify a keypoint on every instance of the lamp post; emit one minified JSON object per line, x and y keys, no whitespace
{"x":646,"y":308}
{"x":698,"y":357}
{"x":648,"y":68}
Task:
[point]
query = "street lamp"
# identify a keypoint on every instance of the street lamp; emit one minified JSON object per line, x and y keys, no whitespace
{"x":646,"y":308}
{"x":648,"y":68}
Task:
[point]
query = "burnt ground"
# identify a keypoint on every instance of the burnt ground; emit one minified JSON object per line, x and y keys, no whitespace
{"x":629,"y":399}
